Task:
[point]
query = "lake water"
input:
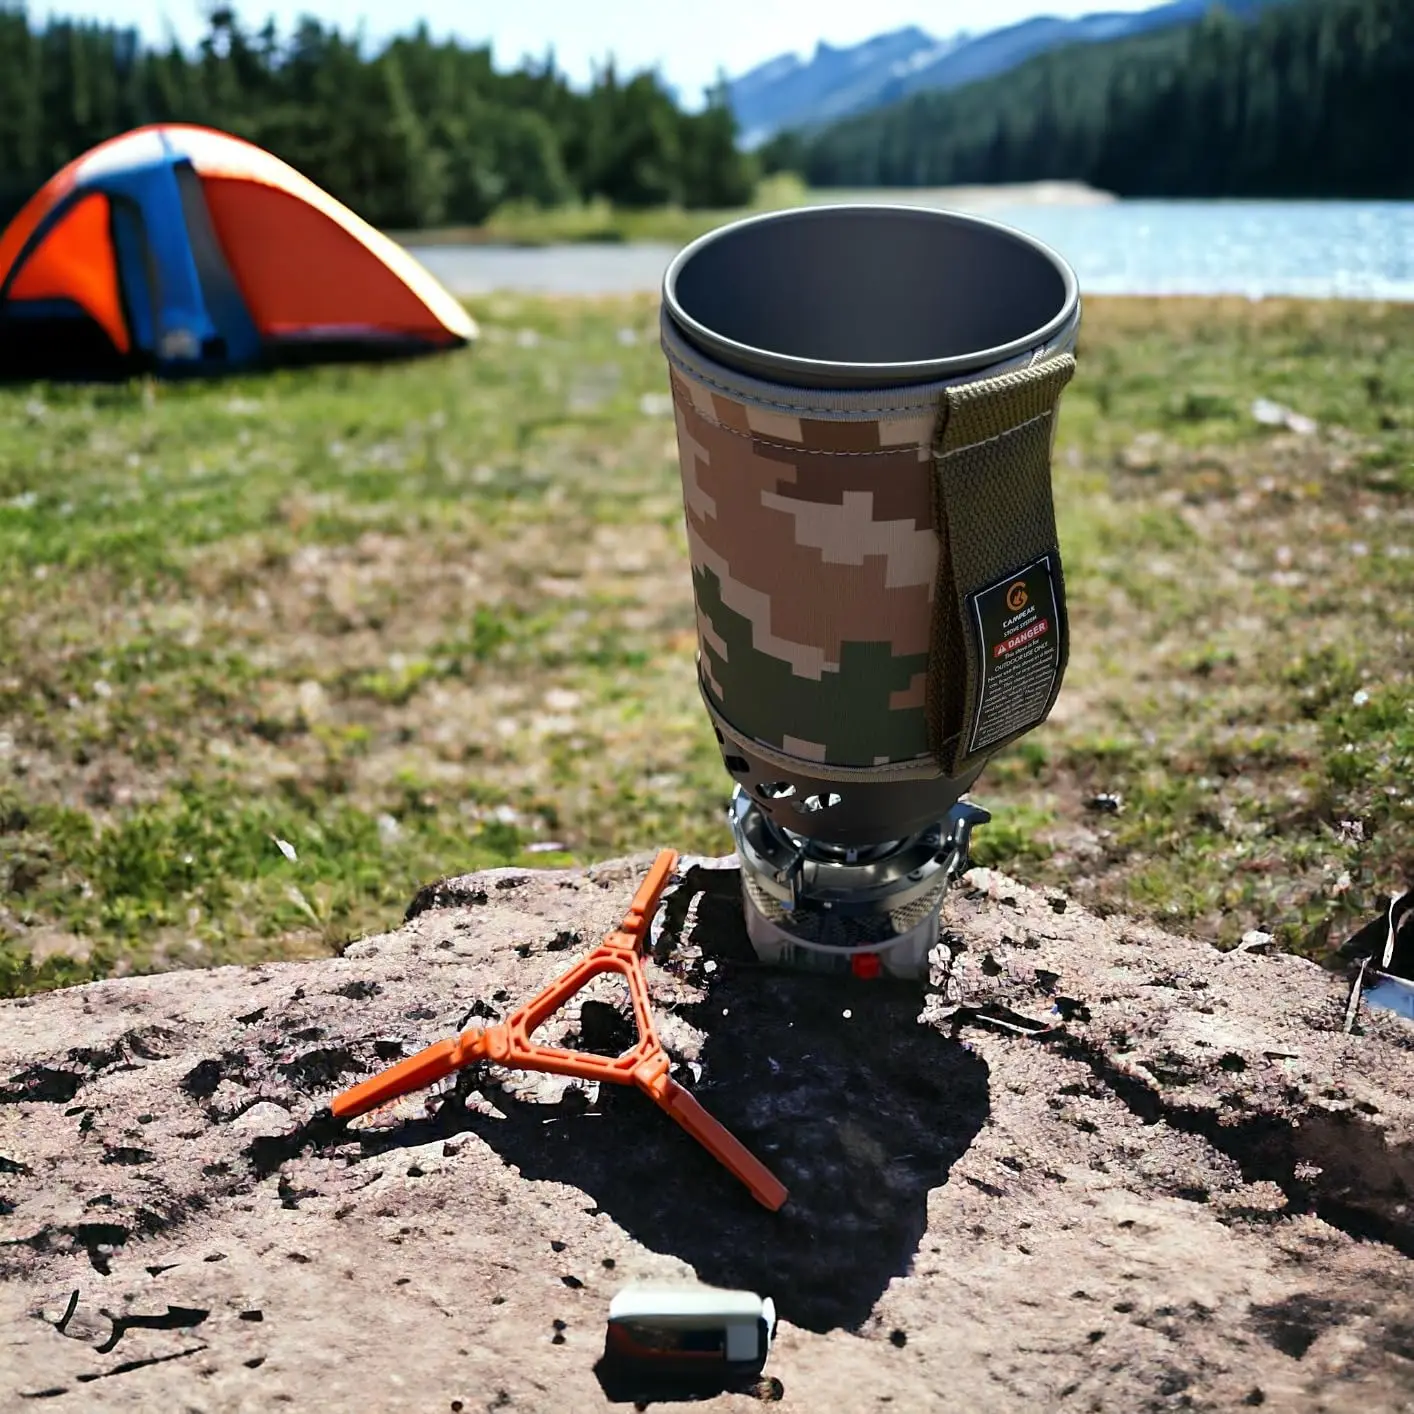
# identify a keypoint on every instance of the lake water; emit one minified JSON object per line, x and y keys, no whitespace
{"x":1321,"y":250}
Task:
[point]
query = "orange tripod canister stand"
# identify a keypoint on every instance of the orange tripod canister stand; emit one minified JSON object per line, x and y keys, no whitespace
{"x":646,"y":1065}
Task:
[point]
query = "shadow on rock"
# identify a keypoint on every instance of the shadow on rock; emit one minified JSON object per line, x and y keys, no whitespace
{"x":623,"y":1386}
{"x":860,"y":1117}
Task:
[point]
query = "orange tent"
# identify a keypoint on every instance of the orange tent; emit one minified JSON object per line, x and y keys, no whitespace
{"x":179,"y":248}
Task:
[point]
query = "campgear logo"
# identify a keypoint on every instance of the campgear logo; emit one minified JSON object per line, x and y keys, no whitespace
{"x":1017,"y":596}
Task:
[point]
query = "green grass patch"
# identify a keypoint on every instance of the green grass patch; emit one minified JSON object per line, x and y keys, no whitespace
{"x":422,"y":618}
{"x":600,"y":222}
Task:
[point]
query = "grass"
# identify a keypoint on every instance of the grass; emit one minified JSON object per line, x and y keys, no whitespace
{"x":598,"y":221}
{"x":275,"y":651}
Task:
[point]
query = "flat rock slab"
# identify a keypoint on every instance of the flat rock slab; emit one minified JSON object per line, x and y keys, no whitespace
{"x":1193,"y":1193}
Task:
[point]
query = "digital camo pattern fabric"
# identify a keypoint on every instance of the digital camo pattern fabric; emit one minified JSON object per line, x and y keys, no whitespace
{"x":814,"y":564}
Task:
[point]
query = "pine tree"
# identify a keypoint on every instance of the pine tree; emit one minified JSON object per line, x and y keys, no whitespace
{"x":1300,"y":98}
{"x":1306,"y":97}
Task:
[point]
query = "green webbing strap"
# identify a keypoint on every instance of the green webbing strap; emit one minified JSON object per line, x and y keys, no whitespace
{"x":994,"y":516}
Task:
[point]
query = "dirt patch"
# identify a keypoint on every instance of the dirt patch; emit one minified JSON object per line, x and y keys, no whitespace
{"x":1193,"y":1193}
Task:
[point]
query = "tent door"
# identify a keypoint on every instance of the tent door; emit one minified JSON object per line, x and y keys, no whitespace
{"x":238,"y":336}
{"x":182,"y":333}
{"x":139,"y":273}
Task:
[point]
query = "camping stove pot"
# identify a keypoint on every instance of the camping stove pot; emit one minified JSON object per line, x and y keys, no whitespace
{"x":865,"y":399}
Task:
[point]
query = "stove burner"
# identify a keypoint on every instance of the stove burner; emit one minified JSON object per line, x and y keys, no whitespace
{"x":827,"y":907}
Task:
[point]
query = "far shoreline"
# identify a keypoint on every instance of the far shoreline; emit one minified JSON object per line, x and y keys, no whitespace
{"x":601,"y":225}
{"x":969,"y":198}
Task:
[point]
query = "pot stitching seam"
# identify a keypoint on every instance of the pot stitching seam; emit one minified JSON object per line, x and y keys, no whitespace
{"x":903,"y":448}
{"x":801,"y":409}
{"x":986,"y":441}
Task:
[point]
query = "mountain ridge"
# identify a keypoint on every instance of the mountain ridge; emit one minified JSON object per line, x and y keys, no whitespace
{"x":790,"y":92}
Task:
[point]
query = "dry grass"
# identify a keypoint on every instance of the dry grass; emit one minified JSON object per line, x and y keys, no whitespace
{"x":418,"y":619}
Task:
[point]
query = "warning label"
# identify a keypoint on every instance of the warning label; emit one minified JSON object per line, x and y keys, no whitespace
{"x":1016,"y":627}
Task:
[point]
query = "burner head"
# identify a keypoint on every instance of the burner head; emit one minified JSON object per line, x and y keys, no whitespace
{"x":833,"y":908}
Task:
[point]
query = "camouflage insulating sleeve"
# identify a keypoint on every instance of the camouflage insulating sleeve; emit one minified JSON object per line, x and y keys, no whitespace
{"x":814,"y":563}
{"x":824,"y":570}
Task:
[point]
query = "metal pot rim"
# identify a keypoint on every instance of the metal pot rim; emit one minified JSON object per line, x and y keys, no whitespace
{"x":829,"y":373}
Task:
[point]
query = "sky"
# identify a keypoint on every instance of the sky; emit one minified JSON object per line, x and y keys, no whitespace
{"x":688,"y":41}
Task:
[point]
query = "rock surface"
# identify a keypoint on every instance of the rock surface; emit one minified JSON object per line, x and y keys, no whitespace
{"x":1192,"y":1194}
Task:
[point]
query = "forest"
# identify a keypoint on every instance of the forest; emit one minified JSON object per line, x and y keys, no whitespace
{"x":418,"y":134}
{"x":1309,"y":99}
